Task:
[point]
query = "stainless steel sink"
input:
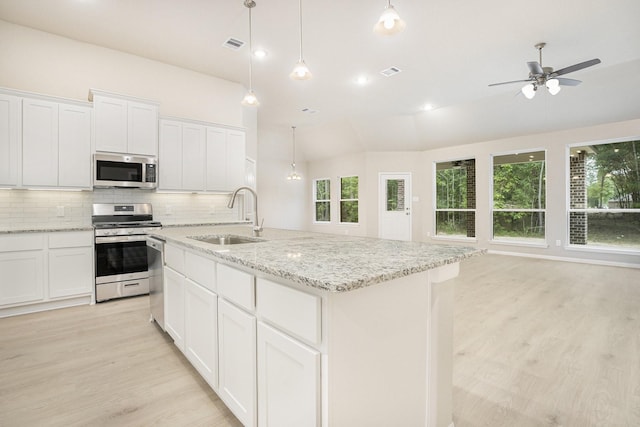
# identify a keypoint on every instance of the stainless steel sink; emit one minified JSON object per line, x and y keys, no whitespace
{"x":226,"y":239}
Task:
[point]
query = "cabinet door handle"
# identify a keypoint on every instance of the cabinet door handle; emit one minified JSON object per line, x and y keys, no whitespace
{"x":131,"y":284}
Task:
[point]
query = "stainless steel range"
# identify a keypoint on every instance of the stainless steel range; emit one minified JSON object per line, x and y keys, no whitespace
{"x":121,"y":249}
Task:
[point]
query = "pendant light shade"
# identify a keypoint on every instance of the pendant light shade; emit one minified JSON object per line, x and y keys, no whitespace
{"x":300,"y":70}
{"x":553,"y":85}
{"x":250,"y":99}
{"x":389,"y":22}
{"x":529,"y":90}
{"x":293,"y":175}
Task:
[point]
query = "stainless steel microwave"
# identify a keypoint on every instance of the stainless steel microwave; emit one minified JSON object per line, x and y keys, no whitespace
{"x":124,"y":170}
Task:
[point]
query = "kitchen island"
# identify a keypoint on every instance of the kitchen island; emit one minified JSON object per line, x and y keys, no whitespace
{"x":316,"y":329}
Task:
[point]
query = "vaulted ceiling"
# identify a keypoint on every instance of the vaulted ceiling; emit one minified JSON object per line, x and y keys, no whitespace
{"x":449,"y":53}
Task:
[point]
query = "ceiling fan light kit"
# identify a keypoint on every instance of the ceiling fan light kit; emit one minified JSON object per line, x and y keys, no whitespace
{"x":389,"y":22}
{"x":547,"y":77}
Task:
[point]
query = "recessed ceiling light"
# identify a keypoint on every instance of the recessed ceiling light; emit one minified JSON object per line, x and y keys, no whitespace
{"x":428,"y":107}
{"x":260,"y":53}
{"x":362,"y":80}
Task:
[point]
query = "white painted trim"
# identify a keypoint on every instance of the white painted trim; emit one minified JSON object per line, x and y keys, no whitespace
{"x":46,"y":305}
{"x":567,"y":259}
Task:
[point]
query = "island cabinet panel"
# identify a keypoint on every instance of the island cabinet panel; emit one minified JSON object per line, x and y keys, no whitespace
{"x":10,"y":131}
{"x":237,"y":361}
{"x":201,"y":331}
{"x":288,"y":381}
{"x":174,"y":284}
{"x":236,"y":286}
{"x":200,"y":269}
{"x":294,"y":311}
{"x":174,"y":258}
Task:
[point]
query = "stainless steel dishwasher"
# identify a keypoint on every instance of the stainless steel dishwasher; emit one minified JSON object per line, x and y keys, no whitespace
{"x":155,"y":260}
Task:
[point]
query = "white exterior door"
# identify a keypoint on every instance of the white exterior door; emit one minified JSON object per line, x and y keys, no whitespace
{"x":394,"y":218}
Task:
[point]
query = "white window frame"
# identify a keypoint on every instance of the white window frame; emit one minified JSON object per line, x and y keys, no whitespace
{"x":340,"y":200}
{"x":592,"y":248}
{"x":316,"y":200}
{"x":434,"y":203}
{"x":543,"y":243}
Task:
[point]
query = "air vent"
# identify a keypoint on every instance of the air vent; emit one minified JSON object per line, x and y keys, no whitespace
{"x":390,"y":71}
{"x":309,"y":111}
{"x":232,"y":43}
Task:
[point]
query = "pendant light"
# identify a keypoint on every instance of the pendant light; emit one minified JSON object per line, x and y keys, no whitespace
{"x":300,"y":70}
{"x":389,"y":22}
{"x":293,"y":175}
{"x":250,"y":99}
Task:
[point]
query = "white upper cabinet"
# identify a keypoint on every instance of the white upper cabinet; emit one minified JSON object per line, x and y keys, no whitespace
{"x":194,"y":156}
{"x":225,"y":159}
{"x":10,"y":129}
{"x":56,"y":144}
{"x":181,"y":156}
{"x":124,"y":124}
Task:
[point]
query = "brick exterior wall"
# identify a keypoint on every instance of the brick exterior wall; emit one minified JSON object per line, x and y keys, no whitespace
{"x":577,"y":200}
{"x":471,"y":196}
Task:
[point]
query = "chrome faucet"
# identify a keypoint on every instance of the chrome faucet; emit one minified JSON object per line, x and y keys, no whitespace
{"x":257,"y":229}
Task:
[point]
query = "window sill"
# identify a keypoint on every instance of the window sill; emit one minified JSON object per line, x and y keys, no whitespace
{"x":455,"y":239}
{"x":542,"y":245}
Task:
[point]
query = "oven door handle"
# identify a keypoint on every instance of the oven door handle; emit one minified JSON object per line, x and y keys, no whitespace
{"x":119,"y":239}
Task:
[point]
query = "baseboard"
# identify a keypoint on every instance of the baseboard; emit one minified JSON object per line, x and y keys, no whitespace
{"x":566,"y":259}
{"x":44,"y":306}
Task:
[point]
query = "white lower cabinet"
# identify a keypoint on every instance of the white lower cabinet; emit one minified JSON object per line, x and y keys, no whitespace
{"x":201,"y":331}
{"x":22,"y":277}
{"x":174,"y":284}
{"x":40,"y":271}
{"x":237,"y":361}
{"x":70,"y":264}
{"x":288,"y":381}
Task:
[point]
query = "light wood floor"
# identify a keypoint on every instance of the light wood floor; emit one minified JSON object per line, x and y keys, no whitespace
{"x":537,"y":343}
{"x":544,"y":343}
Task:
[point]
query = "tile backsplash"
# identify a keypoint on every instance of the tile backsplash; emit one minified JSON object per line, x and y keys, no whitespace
{"x":20,"y":208}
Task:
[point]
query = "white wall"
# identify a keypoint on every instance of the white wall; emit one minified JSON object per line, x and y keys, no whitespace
{"x":282,"y":203}
{"x":420,"y":164}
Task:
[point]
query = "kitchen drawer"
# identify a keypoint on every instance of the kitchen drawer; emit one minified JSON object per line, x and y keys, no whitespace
{"x":292,"y":310}
{"x":235,"y":285}
{"x":201,"y":270}
{"x":22,"y":242}
{"x":71,"y":239}
{"x":174,"y":258}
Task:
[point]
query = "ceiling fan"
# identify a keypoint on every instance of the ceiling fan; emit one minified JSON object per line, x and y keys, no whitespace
{"x":546,"y":76}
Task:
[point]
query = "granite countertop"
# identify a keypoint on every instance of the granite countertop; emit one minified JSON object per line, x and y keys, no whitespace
{"x":44,"y":228}
{"x":330,"y":262}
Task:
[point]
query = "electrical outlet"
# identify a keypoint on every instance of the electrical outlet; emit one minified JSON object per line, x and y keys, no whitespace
{"x":59,"y":210}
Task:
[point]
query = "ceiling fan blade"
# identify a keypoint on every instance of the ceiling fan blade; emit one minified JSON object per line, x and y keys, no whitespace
{"x":513,"y":81}
{"x":535,"y":68}
{"x":575,"y":67}
{"x":568,"y":82}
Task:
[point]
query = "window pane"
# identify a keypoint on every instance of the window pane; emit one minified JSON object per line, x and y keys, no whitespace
{"x":323,"y":189}
{"x":460,"y":224}
{"x":349,"y":187}
{"x":349,"y":211}
{"x":519,"y":181}
{"x":451,"y":188}
{"x":395,"y":195}
{"x":519,"y":225}
{"x":323,"y":213}
{"x":608,"y":229}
